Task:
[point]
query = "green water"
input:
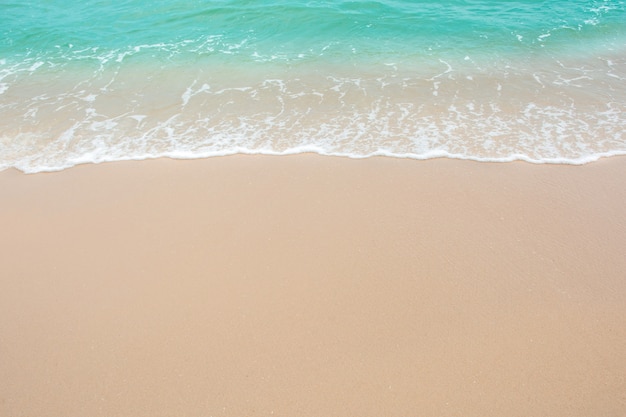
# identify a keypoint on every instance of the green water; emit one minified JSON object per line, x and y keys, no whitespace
{"x":97,"y":80}
{"x":297,"y":30}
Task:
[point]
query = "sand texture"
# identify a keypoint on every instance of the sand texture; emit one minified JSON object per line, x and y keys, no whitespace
{"x":314,"y":286}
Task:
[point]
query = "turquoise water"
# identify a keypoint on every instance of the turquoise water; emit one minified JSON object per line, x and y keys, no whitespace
{"x":93,"y":81}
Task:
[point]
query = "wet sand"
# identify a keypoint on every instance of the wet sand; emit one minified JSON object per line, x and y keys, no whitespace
{"x":314,"y":286}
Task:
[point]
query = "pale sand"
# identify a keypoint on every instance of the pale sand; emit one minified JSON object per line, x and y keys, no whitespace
{"x":314,"y":286}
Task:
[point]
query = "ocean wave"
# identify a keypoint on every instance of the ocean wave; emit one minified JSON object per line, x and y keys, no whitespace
{"x":472,"y":80}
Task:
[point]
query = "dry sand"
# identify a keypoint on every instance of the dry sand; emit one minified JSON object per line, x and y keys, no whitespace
{"x":314,"y":286}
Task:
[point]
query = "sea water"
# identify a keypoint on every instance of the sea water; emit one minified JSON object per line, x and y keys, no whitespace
{"x":98,"y":80}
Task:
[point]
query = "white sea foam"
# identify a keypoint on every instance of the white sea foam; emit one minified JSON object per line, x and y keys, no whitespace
{"x":571,"y":113}
{"x":35,"y":66}
{"x":96,"y":158}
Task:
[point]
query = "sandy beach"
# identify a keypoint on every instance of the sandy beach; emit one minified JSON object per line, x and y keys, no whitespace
{"x":314,"y":286}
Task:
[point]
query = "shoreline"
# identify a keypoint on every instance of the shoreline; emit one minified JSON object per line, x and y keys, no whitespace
{"x":310,"y":285}
{"x":444,"y":111}
{"x":307,"y":152}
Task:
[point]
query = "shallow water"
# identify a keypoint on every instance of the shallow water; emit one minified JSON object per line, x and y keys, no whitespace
{"x":484,"y":80}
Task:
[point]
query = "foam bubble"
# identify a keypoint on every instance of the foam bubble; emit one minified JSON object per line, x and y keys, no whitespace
{"x":557,"y":110}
